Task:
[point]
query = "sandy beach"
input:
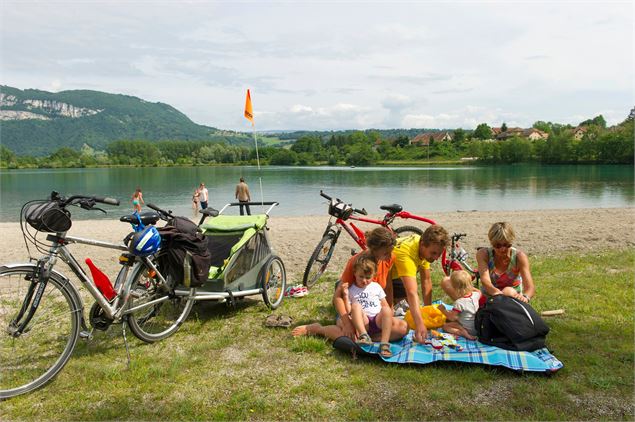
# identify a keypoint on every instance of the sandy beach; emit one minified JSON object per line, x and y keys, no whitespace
{"x":539,"y":233}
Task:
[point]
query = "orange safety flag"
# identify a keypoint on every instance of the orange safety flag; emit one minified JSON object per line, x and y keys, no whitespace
{"x":249,"y":111}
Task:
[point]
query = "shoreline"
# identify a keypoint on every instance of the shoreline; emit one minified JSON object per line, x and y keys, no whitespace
{"x":538,"y":233}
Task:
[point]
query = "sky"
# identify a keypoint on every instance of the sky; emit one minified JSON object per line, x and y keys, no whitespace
{"x":334,"y":65}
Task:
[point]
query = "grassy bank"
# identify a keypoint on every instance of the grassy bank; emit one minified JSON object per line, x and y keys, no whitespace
{"x":225,"y":364}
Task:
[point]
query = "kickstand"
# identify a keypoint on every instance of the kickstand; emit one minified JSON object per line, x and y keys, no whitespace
{"x":125,"y":340}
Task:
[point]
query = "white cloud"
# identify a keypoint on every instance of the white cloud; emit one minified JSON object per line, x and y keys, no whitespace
{"x":299,"y":108}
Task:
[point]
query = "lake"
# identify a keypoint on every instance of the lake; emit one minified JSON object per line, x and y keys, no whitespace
{"x":418,"y":189}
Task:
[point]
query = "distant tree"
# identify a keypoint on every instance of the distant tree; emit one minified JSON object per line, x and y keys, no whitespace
{"x":7,"y":157}
{"x":361,"y":155}
{"x":402,"y":141}
{"x":544,"y":126}
{"x":65,"y":154}
{"x":504,"y":127}
{"x":459,"y":137}
{"x":597,"y":121}
{"x":482,"y":131}
{"x":332,"y":156}
{"x":310,"y":144}
{"x":284,"y":157}
{"x":305,"y":159}
{"x":373,"y":137}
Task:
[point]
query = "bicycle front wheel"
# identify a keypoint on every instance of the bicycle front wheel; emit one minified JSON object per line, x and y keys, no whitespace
{"x":155,"y":321}
{"x":319,"y":259}
{"x":32,"y":358}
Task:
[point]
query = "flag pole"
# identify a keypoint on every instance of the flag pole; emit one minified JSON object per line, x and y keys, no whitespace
{"x":262,"y":197}
{"x":249,"y":115}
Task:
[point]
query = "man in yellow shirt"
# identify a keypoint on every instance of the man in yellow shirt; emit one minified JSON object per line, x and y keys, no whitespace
{"x":415,"y":253}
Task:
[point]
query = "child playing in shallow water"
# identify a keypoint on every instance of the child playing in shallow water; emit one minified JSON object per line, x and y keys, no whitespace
{"x":137,"y":199}
{"x":460,"y":320}
{"x":370,"y":311}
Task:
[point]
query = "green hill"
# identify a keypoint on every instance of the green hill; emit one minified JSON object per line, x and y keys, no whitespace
{"x":38,"y":122}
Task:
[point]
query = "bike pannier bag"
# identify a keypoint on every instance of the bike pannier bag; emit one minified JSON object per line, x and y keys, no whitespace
{"x":47,"y":216}
{"x":184,"y":256}
{"x":510,"y":324}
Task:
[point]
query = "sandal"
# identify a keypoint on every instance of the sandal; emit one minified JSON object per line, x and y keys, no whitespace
{"x":278,"y":321}
{"x":284,"y":321}
{"x":364,"y":339}
{"x":384,"y":350}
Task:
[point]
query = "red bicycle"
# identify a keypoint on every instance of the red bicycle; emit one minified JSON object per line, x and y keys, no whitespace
{"x":456,"y":259}
{"x":341,"y":212}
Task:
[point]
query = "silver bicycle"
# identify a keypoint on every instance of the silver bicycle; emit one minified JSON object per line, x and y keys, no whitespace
{"x":42,"y":314}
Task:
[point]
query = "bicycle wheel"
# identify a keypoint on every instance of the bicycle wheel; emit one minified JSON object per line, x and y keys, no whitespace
{"x":33,"y":358}
{"x":405,"y":231}
{"x":319,"y":259}
{"x":158,"y":320}
{"x":273,"y":280}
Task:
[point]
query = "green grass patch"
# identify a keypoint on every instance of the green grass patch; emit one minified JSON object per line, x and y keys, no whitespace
{"x":225,"y":364}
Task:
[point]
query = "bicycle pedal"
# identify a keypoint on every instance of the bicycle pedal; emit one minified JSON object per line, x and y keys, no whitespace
{"x":86,"y":335}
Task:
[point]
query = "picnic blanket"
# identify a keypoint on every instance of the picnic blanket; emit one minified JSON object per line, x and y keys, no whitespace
{"x":407,"y":351}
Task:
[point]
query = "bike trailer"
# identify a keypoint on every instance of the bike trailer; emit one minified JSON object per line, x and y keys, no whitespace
{"x":239,"y":247}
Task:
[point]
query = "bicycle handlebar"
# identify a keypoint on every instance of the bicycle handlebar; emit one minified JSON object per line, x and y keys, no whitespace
{"x":83,"y":199}
{"x":106,"y":200}
{"x":358,"y":211}
{"x":162,"y":213}
{"x":457,"y":236}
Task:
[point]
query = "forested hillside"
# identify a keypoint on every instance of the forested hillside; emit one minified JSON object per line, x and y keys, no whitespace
{"x":38,"y":122}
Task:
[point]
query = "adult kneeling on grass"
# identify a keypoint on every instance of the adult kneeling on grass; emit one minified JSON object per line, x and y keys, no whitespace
{"x":415,"y":254}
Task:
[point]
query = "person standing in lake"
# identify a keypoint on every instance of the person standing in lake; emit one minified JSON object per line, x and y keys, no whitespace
{"x":243,"y":196}
{"x":137,"y":199}
{"x":195,"y":196}
{"x":203,"y":195}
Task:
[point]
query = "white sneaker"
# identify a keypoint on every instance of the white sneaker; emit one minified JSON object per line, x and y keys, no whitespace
{"x":400,"y":308}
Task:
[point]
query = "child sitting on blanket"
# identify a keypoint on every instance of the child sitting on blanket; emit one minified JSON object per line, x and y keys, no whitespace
{"x":369,"y":309}
{"x":460,"y":320}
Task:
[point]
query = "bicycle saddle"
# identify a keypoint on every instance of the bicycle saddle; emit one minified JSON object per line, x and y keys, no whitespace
{"x":210,"y":212}
{"x":148,"y":217}
{"x":392,"y":208}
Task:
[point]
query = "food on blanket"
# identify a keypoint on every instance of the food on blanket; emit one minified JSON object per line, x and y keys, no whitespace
{"x":432,"y":317}
{"x":438,"y":340}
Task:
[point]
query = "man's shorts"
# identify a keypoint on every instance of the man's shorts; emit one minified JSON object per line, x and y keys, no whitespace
{"x":398,"y":290}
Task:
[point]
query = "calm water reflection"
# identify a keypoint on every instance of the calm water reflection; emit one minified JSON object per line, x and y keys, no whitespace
{"x":513,"y":187}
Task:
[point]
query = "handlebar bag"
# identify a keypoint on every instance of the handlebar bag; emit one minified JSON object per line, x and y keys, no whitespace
{"x":340,"y":210}
{"x":48,"y":216}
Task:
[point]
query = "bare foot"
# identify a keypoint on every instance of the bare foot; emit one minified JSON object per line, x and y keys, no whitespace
{"x":305,"y":330}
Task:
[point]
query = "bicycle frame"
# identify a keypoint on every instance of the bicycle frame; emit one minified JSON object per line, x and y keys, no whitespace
{"x":358,"y":235}
{"x":458,"y":259}
{"x":117,"y":308}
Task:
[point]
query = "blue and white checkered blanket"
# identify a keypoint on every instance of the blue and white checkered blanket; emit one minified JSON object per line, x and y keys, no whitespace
{"x":407,"y":351}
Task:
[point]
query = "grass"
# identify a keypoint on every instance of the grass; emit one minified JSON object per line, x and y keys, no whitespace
{"x":224,"y":364}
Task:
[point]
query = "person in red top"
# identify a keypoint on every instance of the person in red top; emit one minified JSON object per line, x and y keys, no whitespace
{"x":380,"y":243}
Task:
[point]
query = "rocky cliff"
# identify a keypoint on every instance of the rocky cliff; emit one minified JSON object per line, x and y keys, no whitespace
{"x":14,"y":108}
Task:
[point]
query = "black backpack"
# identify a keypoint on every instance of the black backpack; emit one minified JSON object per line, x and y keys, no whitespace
{"x":183,"y":248}
{"x":510,"y":324}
